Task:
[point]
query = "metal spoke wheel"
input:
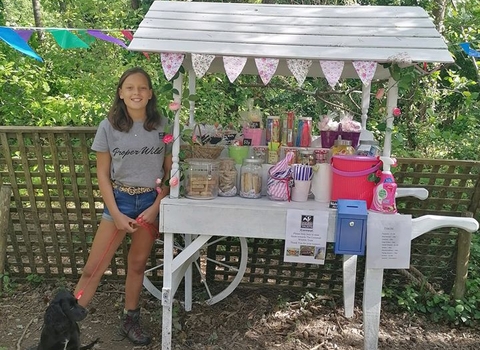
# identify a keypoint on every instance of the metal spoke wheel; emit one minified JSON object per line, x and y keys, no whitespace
{"x":218,"y":269}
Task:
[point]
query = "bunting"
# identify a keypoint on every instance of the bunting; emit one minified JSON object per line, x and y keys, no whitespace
{"x":16,"y":41}
{"x":469,"y":51}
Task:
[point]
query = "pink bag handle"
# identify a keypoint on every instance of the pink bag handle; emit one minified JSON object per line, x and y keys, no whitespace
{"x":356,"y":173}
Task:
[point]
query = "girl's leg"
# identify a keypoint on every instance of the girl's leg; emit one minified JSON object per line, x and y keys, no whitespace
{"x":106,"y":241}
{"x":141,"y":246}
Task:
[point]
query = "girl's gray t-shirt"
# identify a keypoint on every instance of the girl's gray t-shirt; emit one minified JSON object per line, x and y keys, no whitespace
{"x":137,"y":155}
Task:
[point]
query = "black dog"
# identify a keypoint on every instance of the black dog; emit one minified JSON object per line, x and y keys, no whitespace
{"x":60,"y":330}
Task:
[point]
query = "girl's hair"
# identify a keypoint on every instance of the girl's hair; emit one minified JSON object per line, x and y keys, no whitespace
{"x":118,"y":114}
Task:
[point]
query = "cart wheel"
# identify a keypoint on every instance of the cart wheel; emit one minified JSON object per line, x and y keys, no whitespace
{"x":224,"y":268}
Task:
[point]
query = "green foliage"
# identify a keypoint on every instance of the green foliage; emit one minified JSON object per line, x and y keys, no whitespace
{"x":8,"y":285}
{"x":35,"y":279}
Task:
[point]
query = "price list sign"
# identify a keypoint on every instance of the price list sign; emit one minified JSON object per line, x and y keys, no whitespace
{"x":389,"y":238}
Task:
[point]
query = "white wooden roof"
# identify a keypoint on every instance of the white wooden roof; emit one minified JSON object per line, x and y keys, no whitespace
{"x":334,"y":33}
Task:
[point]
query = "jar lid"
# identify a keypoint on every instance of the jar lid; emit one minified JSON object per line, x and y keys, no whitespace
{"x":306,"y":151}
{"x":341,"y":142}
{"x":273,"y":117}
{"x":253,"y":161}
{"x":201,"y":161}
{"x":305,"y":118}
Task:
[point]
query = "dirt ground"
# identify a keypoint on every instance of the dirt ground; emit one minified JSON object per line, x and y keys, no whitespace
{"x":253,"y":317}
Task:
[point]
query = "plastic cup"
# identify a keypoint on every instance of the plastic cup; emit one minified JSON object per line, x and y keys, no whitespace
{"x":238,"y":153}
{"x":300,"y":190}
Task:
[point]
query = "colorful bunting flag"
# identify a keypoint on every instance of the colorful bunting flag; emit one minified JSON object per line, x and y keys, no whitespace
{"x":469,"y":51}
{"x":25,"y":34}
{"x":365,"y":70}
{"x":171,"y":62}
{"x":332,"y":70}
{"x":299,"y":69}
{"x":99,"y":35}
{"x":201,"y":63}
{"x":233,"y":66}
{"x":67,"y":40}
{"x":266,"y":68}
{"x":16,"y":41}
{"x":84,"y":36}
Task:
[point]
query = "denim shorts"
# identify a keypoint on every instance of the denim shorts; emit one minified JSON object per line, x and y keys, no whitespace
{"x":130,"y":205}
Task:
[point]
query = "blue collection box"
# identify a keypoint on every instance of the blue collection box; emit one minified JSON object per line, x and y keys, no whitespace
{"x":351,"y":227}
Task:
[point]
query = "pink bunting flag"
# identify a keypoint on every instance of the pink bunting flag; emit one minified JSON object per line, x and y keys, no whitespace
{"x":266,"y":68}
{"x":128,"y":35}
{"x":171,"y":62}
{"x":365,"y":70}
{"x":332,"y":70}
{"x":201,"y":63}
{"x":233,"y":66}
{"x":299,"y":69}
{"x":99,"y":35}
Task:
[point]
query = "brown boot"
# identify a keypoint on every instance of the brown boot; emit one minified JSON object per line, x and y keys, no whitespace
{"x":130,"y":328}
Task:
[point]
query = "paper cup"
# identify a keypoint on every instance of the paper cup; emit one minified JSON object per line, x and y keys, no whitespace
{"x":300,"y":190}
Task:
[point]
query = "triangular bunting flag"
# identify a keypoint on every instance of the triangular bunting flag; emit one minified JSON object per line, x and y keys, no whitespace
{"x":25,"y":34}
{"x":128,"y":35}
{"x":266,"y":68}
{"x":67,"y":40}
{"x":171,"y":63}
{"x":88,"y":39}
{"x":365,"y":70}
{"x":201,"y":63}
{"x":332,"y":70}
{"x":299,"y":69}
{"x":469,"y":51}
{"x":16,"y":41}
{"x":99,"y":35}
{"x":233,"y":66}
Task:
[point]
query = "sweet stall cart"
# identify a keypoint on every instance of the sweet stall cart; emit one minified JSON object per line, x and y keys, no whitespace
{"x":316,"y":41}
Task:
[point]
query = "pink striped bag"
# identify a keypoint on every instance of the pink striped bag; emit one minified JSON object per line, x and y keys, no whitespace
{"x":279,"y":180}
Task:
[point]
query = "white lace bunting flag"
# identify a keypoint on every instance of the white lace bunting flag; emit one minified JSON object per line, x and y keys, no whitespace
{"x":171,"y":62}
{"x":365,"y":70}
{"x":266,"y":68}
{"x":332,"y":70}
{"x":201,"y":63}
{"x":233,"y":66}
{"x":299,"y":69}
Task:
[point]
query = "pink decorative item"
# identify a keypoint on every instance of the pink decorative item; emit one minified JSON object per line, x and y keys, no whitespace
{"x":173,"y":182}
{"x":168,"y":138}
{"x":365,"y":70}
{"x":380,"y":93}
{"x":396,"y":112}
{"x":266,"y":68}
{"x":174,"y":106}
{"x":332,"y":70}
{"x":171,"y":63}
{"x":233,"y":66}
{"x":201,"y":63}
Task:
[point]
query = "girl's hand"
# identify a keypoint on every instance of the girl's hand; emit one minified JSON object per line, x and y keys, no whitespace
{"x":124,"y":223}
{"x":150,"y":214}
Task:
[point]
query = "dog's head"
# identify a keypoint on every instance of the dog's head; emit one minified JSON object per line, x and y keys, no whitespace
{"x":64,"y":308}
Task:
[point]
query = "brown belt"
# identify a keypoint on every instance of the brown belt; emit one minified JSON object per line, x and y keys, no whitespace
{"x":132,"y":190}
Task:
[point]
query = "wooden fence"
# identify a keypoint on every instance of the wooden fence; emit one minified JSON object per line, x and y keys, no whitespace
{"x":56,"y":205}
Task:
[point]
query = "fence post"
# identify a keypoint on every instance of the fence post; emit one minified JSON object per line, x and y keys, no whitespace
{"x":464,"y":240}
{"x":5,"y":194}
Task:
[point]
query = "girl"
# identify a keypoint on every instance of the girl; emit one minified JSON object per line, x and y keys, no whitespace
{"x":131,"y":155}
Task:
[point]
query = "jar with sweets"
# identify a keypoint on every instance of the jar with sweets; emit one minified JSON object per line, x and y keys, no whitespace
{"x":227,"y":183}
{"x":251,"y":178}
{"x":306,"y":157}
{"x":201,"y":178}
{"x":365,"y":146}
{"x":342,"y":147}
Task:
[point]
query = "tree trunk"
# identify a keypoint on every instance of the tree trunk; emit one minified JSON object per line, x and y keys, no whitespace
{"x":439,"y":14}
{"x":38,"y":17}
{"x":135,"y":4}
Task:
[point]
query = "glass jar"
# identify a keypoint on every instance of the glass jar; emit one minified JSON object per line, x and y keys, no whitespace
{"x":251,"y":178}
{"x":342,"y":147}
{"x":227,"y":182}
{"x":306,"y":157}
{"x":201,"y":178}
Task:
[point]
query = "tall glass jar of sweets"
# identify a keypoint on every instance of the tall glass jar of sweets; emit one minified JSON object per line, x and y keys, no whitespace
{"x":201,"y":178}
{"x":342,"y":147}
{"x":227,"y":184}
{"x":251,"y":178}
